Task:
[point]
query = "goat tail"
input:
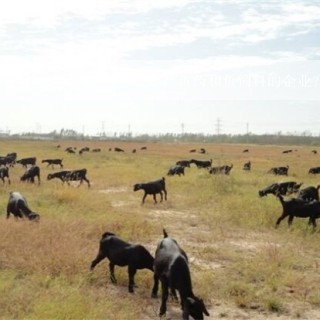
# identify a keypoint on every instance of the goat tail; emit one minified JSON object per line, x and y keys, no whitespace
{"x":165,"y":234}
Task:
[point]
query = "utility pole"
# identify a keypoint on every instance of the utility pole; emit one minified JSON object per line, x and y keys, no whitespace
{"x":182,"y":128}
{"x":102,"y":129}
{"x":218,"y":127}
{"x":247,"y":127}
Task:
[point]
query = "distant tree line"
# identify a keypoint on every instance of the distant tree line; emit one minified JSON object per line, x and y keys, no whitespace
{"x":276,"y":139}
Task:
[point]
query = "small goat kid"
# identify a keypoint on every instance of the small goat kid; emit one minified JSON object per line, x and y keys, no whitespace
{"x":153,"y":188}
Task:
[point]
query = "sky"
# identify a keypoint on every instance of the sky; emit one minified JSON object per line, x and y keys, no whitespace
{"x":146,"y":66}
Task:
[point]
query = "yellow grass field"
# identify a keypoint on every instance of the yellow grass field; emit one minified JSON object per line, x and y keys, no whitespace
{"x":240,"y":264}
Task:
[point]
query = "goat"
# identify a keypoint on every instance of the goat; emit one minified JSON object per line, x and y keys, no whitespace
{"x":25,"y":161}
{"x":30,"y":174}
{"x":299,"y":208}
{"x":309,"y":193}
{"x":70,"y":175}
{"x":247,"y":166}
{"x":279,"y":171}
{"x":282,"y":188}
{"x":121,"y":253}
{"x":52,"y":162}
{"x":4,"y":173}
{"x":153,"y":188}
{"x":314,"y":170}
{"x":171,"y":268}
{"x":221,"y":169}
{"x":176,"y":169}
{"x":201,"y":163}
{"x":17,"y":205}
{"x":184,"y":163}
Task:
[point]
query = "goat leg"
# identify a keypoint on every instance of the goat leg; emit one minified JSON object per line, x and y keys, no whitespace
{"x":154,"y":293}
{"x":131,"y":271}
{"x":112,"y":276}
{"x":165,"y":293}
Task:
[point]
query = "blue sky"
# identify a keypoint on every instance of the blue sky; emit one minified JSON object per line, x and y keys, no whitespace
{"x":151,"y":66}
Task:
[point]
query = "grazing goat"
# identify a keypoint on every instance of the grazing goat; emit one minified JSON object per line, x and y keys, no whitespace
{"x":9,"y":159}
{"x":309,"y":193}
{"x":4,"y":173}
{"x":281,"y":171}
{"x":121,"y":253}
{"x":282,"y":188}
{"x":52,"y":162}
{"x":247,"y":166}
{"x":116,"y":149}
{"x":176,"y":169}
{"x":299,"y":208}
{"x":184,"y":163}
{"x":221,"y":169}
{"x":201,"y":163}
{"x":17,"y":205}
{"x":30,"y":174}
{"x":153,"y":188}
{"x":171,"y":268}
{"x":84,"y":149}
{"x":314,"y":170}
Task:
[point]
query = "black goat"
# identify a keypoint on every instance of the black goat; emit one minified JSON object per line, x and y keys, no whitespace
{"x":25,"y":161}
{"x":176,"y":169}
{"x":221,"y":169}
{"x":4,"y":173}
{"x":247,"y":166}
{"x":299,"y":208}
{"x":282,"y":188}
{"x":309,"y":193}
{"x":30,"y":174}
{"x":171,"y":268}
{"x":52,"y":162}
{"x":121,"y":253}
{"x":17,"y":205}
{"x":314,"y":170}
{"x":153,"y":188}
{"x":201,"y":163}
{"x":184,"y":163}
{"x":281,"y":171}
{"x":70,"y":175}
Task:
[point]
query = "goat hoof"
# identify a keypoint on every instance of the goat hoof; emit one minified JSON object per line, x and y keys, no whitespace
{"x":154,"y":295}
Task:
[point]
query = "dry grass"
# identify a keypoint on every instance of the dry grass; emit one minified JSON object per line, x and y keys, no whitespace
{"x":240,"y":265}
